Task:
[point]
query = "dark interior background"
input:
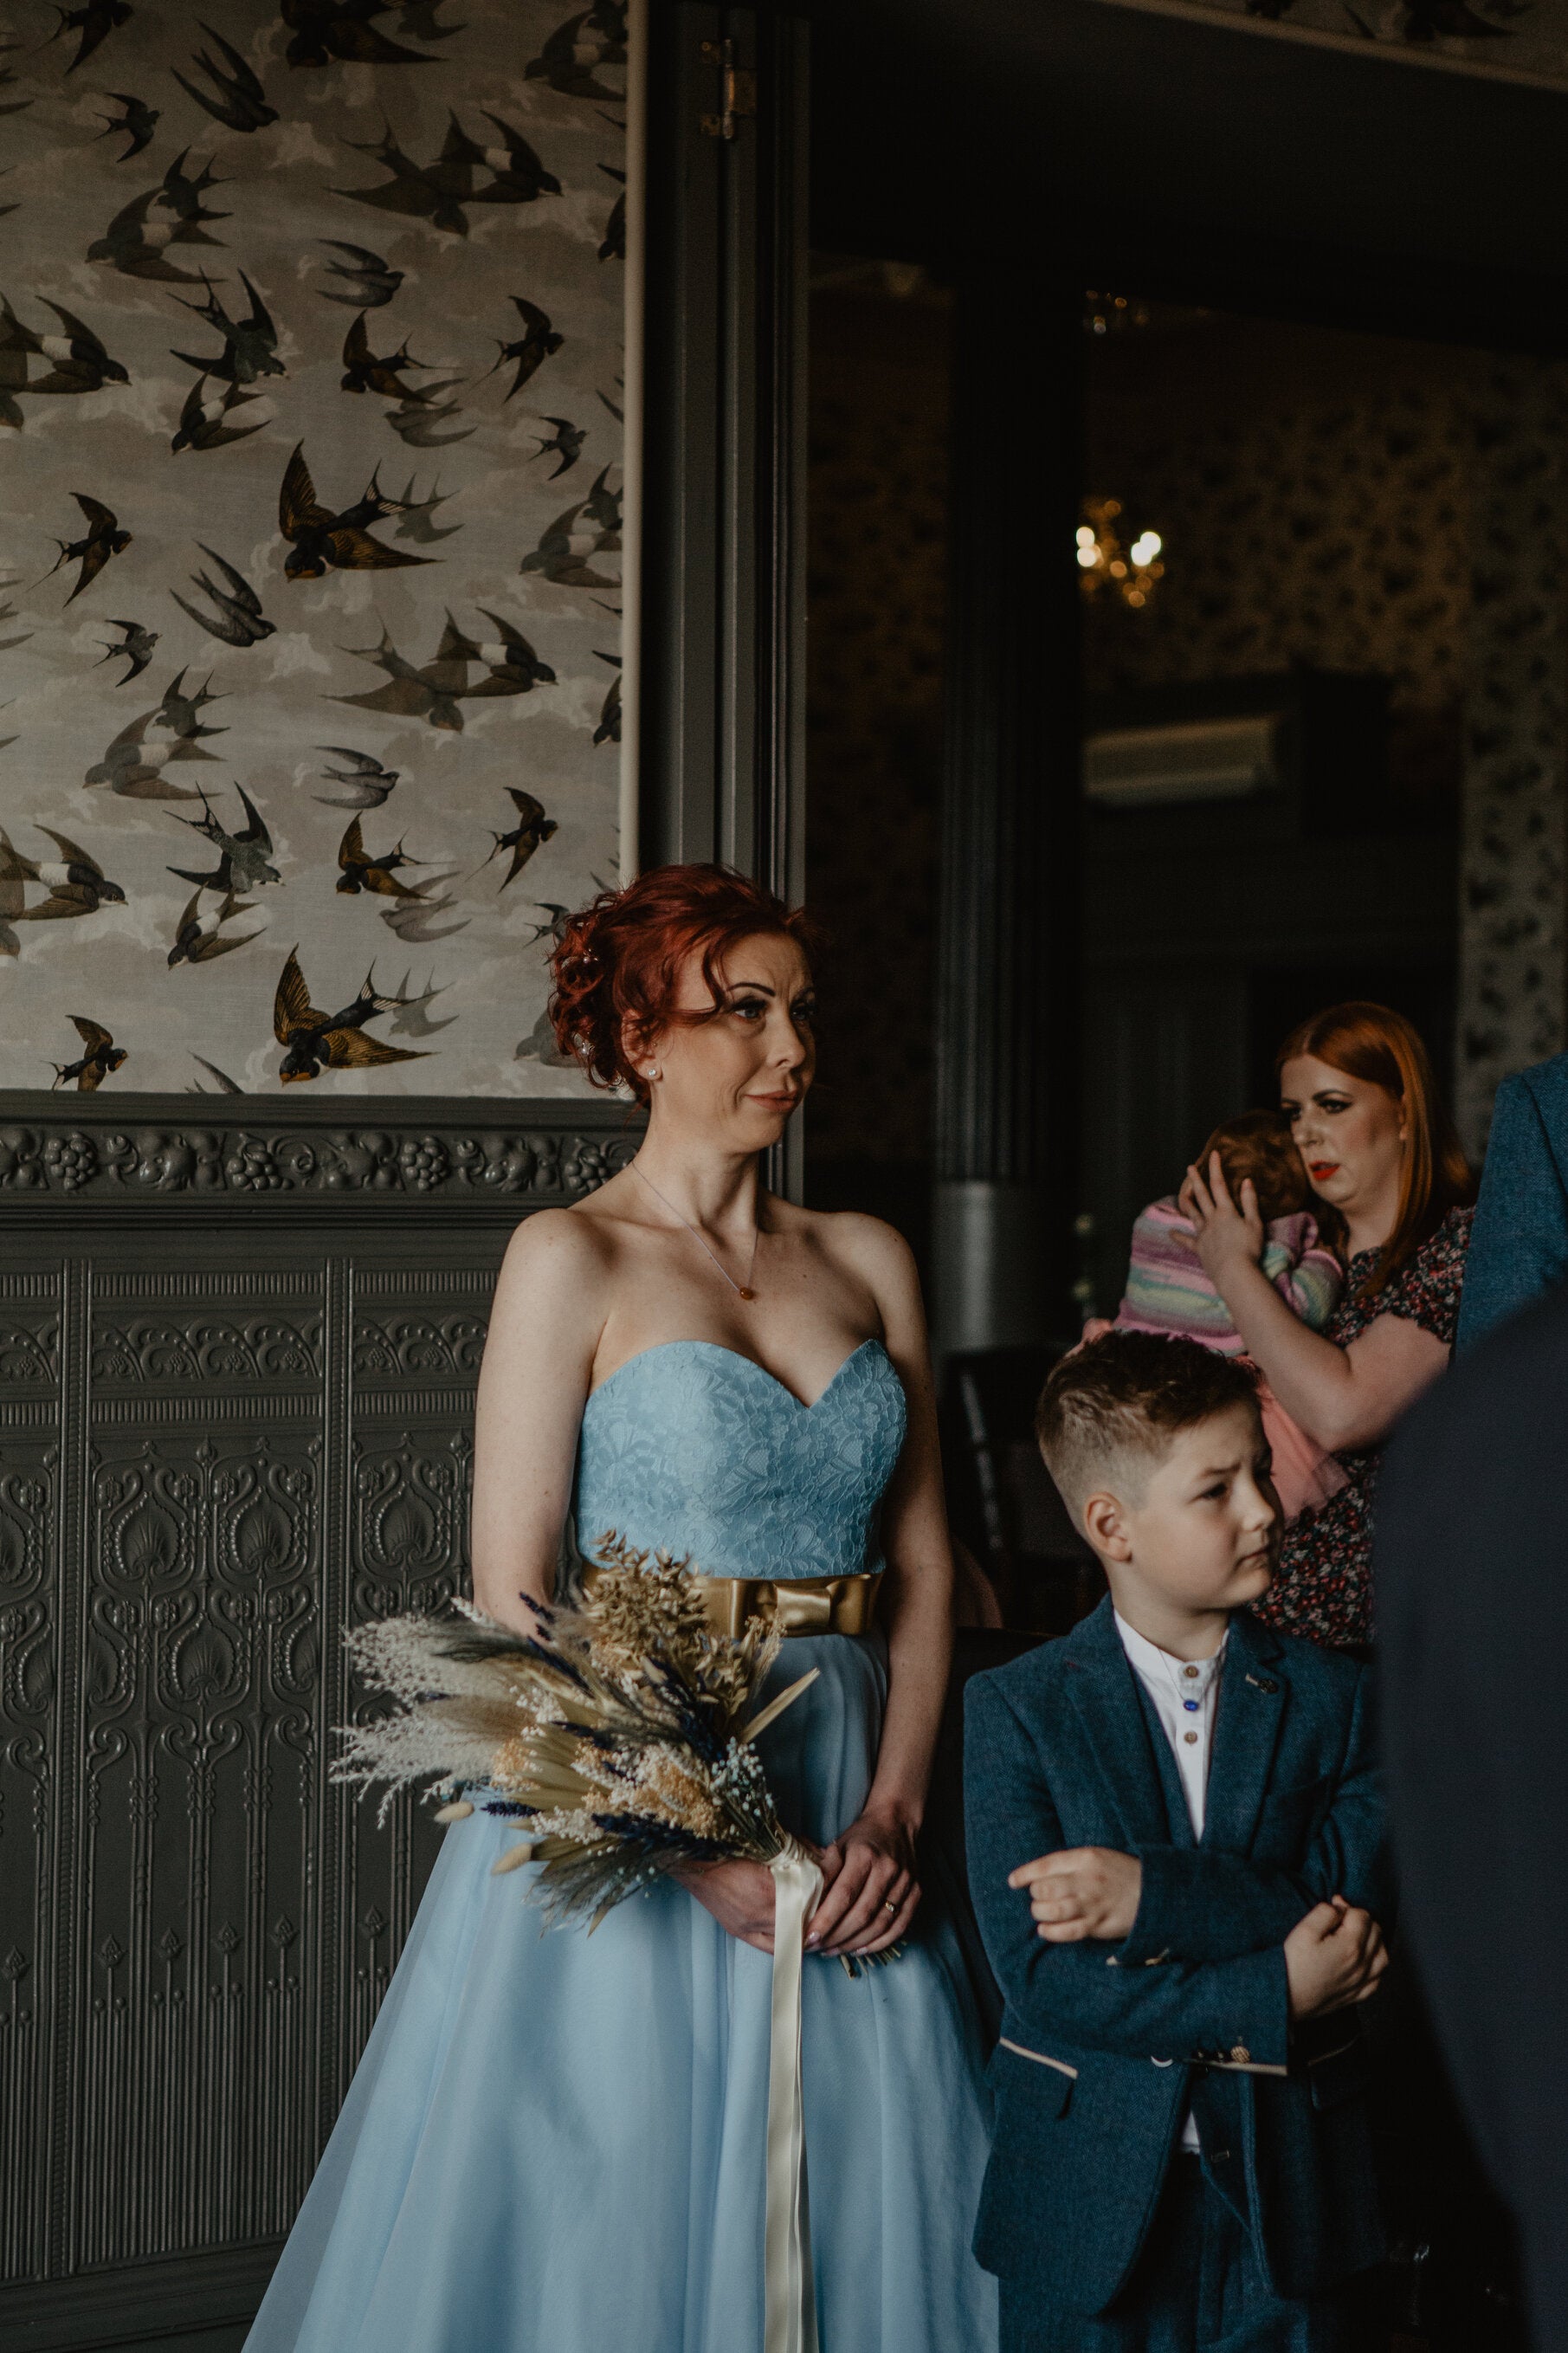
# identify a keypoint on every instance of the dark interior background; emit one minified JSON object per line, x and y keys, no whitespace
{"x":1307,"y":289}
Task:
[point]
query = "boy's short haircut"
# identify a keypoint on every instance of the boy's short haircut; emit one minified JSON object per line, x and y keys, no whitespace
{"x":1130,"y":1393}
{"x":1258,"y":1143}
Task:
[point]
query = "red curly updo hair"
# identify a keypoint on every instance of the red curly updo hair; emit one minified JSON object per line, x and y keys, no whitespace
{"x":618,"y":961}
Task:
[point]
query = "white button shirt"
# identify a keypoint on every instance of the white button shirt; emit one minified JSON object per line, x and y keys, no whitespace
{"x":1185,"y":1693}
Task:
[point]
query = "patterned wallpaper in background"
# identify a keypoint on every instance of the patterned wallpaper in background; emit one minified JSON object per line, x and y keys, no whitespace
{"x":1523,"y":38}
{"x":310,"y":396}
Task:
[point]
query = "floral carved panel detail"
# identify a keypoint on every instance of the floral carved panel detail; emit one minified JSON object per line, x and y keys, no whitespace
{"x":91,"y":1163}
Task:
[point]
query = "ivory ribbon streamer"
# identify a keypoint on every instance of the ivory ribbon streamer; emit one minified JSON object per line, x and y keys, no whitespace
{"x":789,"y":2296}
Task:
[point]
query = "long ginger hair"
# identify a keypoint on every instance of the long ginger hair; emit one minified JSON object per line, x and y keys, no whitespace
{"x":1378,"y":1046}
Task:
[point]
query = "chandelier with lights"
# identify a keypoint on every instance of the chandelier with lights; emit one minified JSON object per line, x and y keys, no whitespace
{"x":1104,"y":563}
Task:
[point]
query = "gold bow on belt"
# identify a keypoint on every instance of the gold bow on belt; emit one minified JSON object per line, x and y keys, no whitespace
{"x":810,"y":1605}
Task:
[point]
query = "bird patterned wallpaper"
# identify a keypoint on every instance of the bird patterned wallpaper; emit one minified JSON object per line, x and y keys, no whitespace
{"x":310,"y":426}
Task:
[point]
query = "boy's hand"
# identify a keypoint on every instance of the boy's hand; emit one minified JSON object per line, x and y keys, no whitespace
{"x":1333,"y":1958}
{"x":1084,"y":1891}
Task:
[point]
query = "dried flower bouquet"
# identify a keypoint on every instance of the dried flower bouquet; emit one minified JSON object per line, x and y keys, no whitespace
{"x":620,"y":1737}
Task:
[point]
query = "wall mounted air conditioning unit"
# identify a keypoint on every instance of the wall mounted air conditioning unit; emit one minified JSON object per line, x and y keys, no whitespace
{"x":1190,"y":760}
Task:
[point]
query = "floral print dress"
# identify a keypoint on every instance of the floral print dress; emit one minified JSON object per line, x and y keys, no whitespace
{"x":1322,"y":1588}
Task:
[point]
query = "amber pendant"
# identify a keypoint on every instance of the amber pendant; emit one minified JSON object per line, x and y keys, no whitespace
{"x":747,"y":1295}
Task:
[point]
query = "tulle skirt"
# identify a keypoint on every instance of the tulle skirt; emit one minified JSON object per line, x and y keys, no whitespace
{"x":555,"y":2142}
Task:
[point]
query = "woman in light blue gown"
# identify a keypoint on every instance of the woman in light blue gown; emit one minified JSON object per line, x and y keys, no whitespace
{"x":555,"y":2142}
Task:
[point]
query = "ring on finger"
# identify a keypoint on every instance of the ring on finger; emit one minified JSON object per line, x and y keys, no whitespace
{"x":892,"y":1907}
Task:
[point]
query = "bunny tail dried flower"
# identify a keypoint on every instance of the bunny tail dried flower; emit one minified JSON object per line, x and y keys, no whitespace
{"x":619,"y":1736}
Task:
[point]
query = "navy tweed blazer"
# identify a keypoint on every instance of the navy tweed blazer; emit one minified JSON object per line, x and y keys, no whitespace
{"x":1101,"y":2048}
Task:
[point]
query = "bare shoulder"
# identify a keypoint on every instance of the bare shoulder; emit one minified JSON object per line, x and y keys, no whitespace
{"x":860,"y":1245}
{"x":557,"y":1269}
{"x":556,"y":1243}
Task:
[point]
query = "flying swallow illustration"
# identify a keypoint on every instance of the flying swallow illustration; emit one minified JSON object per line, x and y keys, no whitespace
{"x":533,"y":830}
{"x":244,"y":857}
{"x":608,"y":730}
{"x":226,"y":1085}
{"x":417,"y":421}
{"x":518,"y":176}
{"x":530,"y":350}
{"x":431,"y":691}
{"x":366,"y":372}
{"x":250,"y":344}
{"x":437,"y":192}
{"x":8,"y":613}
{"x":411,"y":1020}
{"x":613,"y":245}
{"x":137,"y":238}
{"x":203,"y":424}
{"x":135,"y":762}
{"x":313,"y":1042}
{"x":540,"y":1046}
{"x":416,"y":919}
{"x":320,"y":540}
{"x":240,"y":620}
{"x":556,"y":917}
{"x":75,"y":361}
{"x":327,"y":29}
{"x":241,"y":102}
{"x":94,"y":23}
{"x":100,"y":1061}
{"x":415,"y":520}
{"x":8,"y":81}
{"x":198,"y":938}
{"x":74,"y":884}
{"x":358,"y":870}
{"x":136,"y":649}
{"x":367,"y":783}
{"x":101,"y":539}
{"x":568,"y":547}
{"x":509,"y":662}
{"x":374,"y":283}
{"x":574,"y":54}
{"x":138,"y":122}
{"x":565,"y":442}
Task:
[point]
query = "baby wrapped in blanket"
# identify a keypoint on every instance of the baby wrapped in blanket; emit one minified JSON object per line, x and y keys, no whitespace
{"x":1168,"y":1291}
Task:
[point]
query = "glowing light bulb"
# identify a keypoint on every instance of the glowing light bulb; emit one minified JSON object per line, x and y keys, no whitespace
{"x":1089,"y":557}
{"x":1145,"y":548}
{"x":1085,"y":535}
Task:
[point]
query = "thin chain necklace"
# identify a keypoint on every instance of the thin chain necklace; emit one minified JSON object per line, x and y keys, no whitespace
{"x":740,"y":1290}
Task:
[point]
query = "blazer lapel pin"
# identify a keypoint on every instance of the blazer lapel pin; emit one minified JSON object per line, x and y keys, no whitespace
{"x":1263,"y":1683}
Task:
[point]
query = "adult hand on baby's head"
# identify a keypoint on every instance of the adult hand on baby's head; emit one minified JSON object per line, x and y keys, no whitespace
{"x":1227,"y":1234}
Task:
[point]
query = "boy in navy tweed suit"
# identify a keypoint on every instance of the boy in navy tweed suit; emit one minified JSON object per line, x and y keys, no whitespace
{"x":1182,"y":2158}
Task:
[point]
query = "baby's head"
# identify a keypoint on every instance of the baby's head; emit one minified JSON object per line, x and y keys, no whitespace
{"x":1157,"y":1447}
{"x":1258,"y":1143}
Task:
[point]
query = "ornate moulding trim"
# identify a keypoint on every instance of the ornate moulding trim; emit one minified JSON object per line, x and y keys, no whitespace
{"x":459,"y":1153}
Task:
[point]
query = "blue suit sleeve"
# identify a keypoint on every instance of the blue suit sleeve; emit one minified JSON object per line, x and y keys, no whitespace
{"x":1199,"y":1906}
{"x":1519,"y":1244}
{"x":1182,"y":2010}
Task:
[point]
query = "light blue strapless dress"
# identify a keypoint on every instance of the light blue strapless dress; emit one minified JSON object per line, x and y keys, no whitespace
{"x":555,"y":2143}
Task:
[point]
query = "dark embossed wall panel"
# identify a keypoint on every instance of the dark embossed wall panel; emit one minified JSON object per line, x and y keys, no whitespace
{"x":230,"y":1427}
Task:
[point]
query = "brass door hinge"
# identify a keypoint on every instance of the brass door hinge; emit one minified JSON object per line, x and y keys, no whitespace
{"x":737,"y":90}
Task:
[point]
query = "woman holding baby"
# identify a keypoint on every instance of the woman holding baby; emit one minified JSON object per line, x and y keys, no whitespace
{"x":1391,"y":1191}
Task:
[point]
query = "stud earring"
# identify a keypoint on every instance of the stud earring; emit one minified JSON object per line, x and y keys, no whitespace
{"x":654,"y":1071}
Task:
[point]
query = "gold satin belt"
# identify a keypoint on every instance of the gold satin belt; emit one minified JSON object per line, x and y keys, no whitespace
{"x":811,"y":1605}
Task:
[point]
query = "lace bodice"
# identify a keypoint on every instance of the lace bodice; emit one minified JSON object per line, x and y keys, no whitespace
{"x":695,"y":1447}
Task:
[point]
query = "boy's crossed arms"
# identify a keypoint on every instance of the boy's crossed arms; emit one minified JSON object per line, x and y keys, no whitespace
{"x":1334,"y":1955}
